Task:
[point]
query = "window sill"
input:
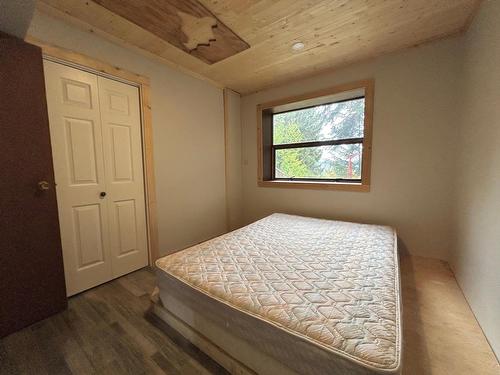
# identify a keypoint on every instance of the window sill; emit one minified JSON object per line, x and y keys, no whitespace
{"x":344,"y":186}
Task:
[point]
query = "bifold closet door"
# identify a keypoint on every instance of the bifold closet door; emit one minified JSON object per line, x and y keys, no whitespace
{"x":97,"y":154}
{"x":121,"y":134}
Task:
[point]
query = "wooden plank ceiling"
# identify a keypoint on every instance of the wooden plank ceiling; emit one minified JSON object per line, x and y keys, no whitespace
{"x":335,"y":33}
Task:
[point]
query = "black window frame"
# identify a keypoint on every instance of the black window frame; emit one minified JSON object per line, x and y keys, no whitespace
{"x":336,"y":142}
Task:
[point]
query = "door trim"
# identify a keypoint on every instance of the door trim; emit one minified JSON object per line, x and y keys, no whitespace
{"x":89,"y":64}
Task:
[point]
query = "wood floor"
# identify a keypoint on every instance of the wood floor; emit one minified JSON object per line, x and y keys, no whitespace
{"x":104,"y":332}
{"x":441,"y":335}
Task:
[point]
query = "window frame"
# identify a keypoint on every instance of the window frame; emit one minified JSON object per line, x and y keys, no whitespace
{"x":267,"y":150}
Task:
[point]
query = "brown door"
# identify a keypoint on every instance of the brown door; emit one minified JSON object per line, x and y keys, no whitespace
{"x":31,"y":268}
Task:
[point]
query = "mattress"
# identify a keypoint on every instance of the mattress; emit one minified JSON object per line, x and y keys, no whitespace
{"x":313,"y":296}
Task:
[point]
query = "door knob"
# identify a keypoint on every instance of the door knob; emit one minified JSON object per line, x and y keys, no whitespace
{"x":102,"y":194}
{"x":43,"y":185}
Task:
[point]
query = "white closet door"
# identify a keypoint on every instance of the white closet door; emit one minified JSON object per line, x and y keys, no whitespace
{"x":77,"y":149}
{"x":121,"y":134}
{"x":95,"y":131}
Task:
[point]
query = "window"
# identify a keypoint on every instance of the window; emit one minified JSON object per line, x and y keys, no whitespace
{"x":320,"y":140}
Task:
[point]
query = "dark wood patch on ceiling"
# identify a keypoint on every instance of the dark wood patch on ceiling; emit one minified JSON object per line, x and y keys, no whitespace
{"x":186,"y":24}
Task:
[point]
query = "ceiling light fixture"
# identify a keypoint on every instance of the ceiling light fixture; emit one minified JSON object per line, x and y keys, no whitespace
{"x":297,"y":46}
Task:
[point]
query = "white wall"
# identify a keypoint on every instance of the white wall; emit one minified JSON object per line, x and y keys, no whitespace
{"x":412,"y":160}
{"x":476,"y":260}
{"x":233,"y":159}
{"x":188,"y":131}
{"x":15,"y":16}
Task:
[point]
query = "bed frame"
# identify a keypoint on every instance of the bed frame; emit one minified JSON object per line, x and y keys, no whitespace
{"x":165,"y":320}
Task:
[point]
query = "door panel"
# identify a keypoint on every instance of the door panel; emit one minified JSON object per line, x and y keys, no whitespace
{"x":121,"y":130}
{"x":81,"y":151}
{"x":76,"y":93}
{"x":89,"y":241}
{"x":76,"y":135}
{"x":118,"y":102}
{"x":31,"y":269}
{"x":121,"y":153}
{"x":127,"y":227}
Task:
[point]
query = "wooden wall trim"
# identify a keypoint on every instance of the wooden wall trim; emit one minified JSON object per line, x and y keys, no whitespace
{"x":147,"y":128}
{"x":149,"y":173}
{"x":86,"y":61}
{"x":318,"y":93}
{"x":369,"y":86}
{"x":366,"y":167}
{"x":226,"y":154}
{"x":260,"y":167}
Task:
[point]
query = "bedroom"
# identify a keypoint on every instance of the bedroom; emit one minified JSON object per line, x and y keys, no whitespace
{"x":412,"y":88}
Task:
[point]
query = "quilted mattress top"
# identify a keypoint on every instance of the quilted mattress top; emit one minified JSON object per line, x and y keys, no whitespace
{"x":335,"y":284}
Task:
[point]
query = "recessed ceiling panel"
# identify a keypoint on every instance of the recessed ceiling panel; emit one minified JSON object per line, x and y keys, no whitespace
{"x":186,"y":24}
